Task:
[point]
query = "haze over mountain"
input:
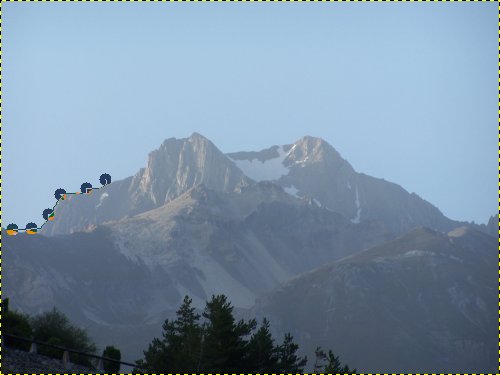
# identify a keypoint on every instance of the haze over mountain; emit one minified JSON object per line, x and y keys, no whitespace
{"x":308,"y":168}
{"x":311,"y":167}
{"x":196,"y":221}
{"x":138,"y":269}
{"x":178,"y":165}
{"x":424,"y":302}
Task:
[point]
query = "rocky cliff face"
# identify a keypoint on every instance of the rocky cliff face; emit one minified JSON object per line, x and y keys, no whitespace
{"x":424,"y":302}
{"x":312,"y":168}
{"x":492,"y":226}
{"x":177,"y":166}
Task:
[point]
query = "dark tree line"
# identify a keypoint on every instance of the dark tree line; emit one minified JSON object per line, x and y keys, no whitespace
{"x":220,"y":344}
{"x":211,"y":343}
{"x":54,"y":328}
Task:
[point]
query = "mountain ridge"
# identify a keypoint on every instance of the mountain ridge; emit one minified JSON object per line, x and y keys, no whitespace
{"x":308,"y":168}
{"x":195,"y":222}
{"x":429,"y":297}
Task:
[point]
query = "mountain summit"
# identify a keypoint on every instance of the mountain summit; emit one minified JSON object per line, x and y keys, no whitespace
{"x":310,"y":168}
{"x":179,"y":165}
{"x":285,"y":224}
{"x":174,"y":168}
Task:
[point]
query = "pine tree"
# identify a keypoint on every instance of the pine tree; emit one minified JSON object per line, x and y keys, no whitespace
{"x":179,"y":349}
{"x":335,"y":367}
{"x":330,"y":363}
{"x":321,"y":359}
{"x":155,"y":358}
{"x":185,"y":338}
{"x":224,"y":344}
{"x":262,"y":355}
{"x":288,"y":361}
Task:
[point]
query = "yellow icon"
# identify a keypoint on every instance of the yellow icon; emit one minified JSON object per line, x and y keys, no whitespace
{"x":12,"y":232}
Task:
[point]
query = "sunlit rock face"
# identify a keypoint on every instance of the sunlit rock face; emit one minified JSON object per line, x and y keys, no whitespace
{"x":174,"y":168}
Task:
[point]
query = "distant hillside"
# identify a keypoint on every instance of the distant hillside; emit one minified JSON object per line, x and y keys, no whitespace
{"x":425,"y":302}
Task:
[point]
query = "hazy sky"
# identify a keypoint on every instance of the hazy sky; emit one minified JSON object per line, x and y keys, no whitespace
{"x":404,"y":91}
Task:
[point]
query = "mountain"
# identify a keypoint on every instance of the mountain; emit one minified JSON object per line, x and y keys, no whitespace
{"x":196,"y":221}
{"x":174,"y":168}
{"x":309,"y":168}
{"x":424,"y":302}
{"x":313,"y":168}
{"x":135,"y":271}
{"x":492,"y":226}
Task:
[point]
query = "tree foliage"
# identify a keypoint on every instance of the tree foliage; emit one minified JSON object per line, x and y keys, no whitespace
{"x":17,"y":324}
{"x":55,"y":328}
{"x":216,"y":342}
{"x":112,"y":353}
{"x":288,"y":361}
{"x":179,"y":349}
{"x":262,"y":354}
{"x":224,"y":339}
{"x":329,"y":363}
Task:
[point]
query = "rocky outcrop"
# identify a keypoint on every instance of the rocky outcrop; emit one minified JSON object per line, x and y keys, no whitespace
{"x":492,"y":226}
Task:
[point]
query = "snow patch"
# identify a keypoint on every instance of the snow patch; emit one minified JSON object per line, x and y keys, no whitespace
{"x":292,"y":190}
{"x":271,"y":169}
{"x":303,"y":162}
{"x":357,"y":218}
{"x":418,"y":253}
{"x":103,"y":197}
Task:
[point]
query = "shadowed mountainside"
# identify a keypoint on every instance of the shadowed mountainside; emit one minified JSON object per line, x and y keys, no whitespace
{"x":424,"y":302}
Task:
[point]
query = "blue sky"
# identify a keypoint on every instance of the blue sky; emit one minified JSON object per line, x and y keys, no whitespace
{"x":404,"y":91}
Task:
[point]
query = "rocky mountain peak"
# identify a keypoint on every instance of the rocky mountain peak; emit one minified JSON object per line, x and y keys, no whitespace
{"x":180,"y":164}
{"x":201,"y":193}
{"x":310,"y":167}
{"x":172,"y":169}
{"x":310,"y":150}
{"x":197,"y":137}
